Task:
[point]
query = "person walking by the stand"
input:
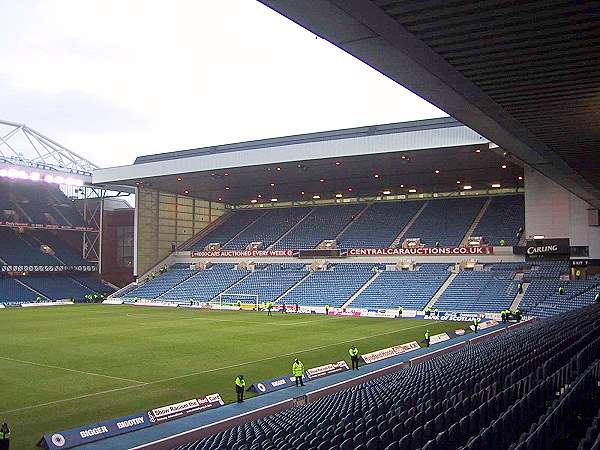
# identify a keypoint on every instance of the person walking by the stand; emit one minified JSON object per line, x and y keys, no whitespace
{"x":400,"y":311}
{"x":427,"y":338}
{"x":354,"y":357}
{"x":520,"y":288}
{"x":327,"y":309}
{"x":476,"y":324}
{"x":561,"y":290}
{"x":298,"y":371}
{"x":578,"y":274}
{"x":597,"y":297}
{"x":240,"y":385}
{"x":4,"y":436}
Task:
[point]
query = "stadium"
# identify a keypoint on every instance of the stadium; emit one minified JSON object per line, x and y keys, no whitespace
{"x":460,"y":256}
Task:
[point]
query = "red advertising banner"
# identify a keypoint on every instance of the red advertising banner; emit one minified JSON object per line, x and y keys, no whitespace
{"x":242,"y":253}
{"x":184,"y":408}
{"x":327,"y":369}
{"x":421,"y":251}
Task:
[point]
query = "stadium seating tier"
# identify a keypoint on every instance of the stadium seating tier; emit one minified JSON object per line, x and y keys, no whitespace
{"x":515,"y":391}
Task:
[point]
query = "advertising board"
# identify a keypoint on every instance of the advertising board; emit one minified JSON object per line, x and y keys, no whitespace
{"x":390,"y":352}
{"x":327,"y":369}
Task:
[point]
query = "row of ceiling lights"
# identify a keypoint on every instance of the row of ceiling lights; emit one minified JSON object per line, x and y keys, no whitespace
{"x":322,"y":180}
{"x":466,"y":187}
{"x":339,"y":195}
{"x":337,"y":163}
{"x":385,"y":192}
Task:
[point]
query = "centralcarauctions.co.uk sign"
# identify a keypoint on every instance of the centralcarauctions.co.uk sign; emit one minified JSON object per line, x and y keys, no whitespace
{"x":421,"y":251}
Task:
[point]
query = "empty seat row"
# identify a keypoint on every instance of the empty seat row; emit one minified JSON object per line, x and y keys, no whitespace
{"x":444,"y":221}
{"x":494,"y":394}
{"x":409,"y":289}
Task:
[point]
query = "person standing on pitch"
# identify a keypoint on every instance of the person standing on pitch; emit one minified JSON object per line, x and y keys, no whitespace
{"x":4,"y":436}
{"x":298,"y":371}
{"x":427,"y":336}
{"x":354,"y":357}
{"x":269,"y":307}
{"x":240,"y":385}
{"x":326,"y":310}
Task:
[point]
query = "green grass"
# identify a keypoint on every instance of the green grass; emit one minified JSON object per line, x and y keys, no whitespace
{"x":109,"y":361}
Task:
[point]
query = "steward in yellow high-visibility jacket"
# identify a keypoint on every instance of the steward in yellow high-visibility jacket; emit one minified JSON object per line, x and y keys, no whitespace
{"x":354,"y":357}
{"x":240,"y":385}
{"x":298,"y":371}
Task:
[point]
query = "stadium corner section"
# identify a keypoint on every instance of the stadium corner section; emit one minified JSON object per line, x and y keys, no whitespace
{"x":181,"y":423}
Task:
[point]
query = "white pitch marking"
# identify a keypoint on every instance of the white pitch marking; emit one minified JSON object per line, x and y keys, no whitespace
{"x":71,"y":370}
{"x":212,"y":370}
{"x":146,"y":316}
{"x":54,"y":402}
{"x":285,"y":354}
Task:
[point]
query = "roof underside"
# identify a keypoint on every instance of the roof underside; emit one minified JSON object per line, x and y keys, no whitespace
{"x":435,"y":155}
{"x":357,"y":176}
{"x":523,"y":73}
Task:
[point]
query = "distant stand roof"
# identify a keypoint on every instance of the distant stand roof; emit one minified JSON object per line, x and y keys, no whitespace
{"x":346,"y":133}
{"x":23,"y":146}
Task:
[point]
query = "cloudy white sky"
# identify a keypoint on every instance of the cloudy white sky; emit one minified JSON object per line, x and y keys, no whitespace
{"x":114,"y":79}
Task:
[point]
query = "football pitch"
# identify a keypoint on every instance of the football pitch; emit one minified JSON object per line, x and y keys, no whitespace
{"x":63,"y":367}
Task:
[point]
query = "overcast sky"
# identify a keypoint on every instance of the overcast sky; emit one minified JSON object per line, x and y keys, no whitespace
{"x":114,"y":79}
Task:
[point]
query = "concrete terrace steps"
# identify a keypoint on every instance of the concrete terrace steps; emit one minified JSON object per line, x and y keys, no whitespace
{"x":519,"y":297}
{"x":176,"y":285}
{"x":31,"y":288}
{"x":244,"y":229}
{"x":124,"y":290}
{"x":22,"y":212}
{"x":361,"y":289}
{"x":441,"y":290}
{"x":475,"y":223}
{"x":352,"y":221}
{"x":40,"y":242}
{"x":206,"y":230}
{"x":312,"y":210}
{"x":250,"y":272}
{"x":410,"y":223}
{"x":67,"y":221}
{"x":294,"y":286}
